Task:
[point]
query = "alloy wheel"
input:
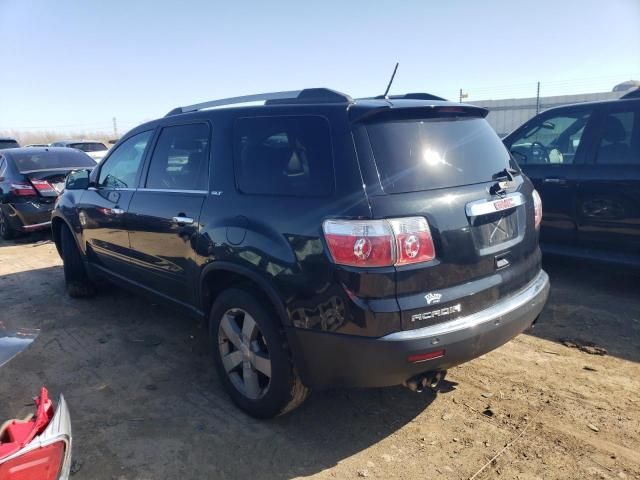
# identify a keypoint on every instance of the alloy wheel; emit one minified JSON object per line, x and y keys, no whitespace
{"x":244,"y":353}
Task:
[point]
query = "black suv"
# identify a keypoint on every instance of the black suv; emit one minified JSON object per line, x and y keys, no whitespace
{"x":584,"y":160}
{"x":328,"y":241}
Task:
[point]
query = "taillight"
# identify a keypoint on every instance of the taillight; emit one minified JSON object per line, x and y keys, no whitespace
{"x":43,"y":463}
{"x":413,"y":240}
{"x":379,"y":243}
{"x":537,"y":208}
{"x":43,"y":186}
{"x":22,"y":189}
{"x":366,"y":243}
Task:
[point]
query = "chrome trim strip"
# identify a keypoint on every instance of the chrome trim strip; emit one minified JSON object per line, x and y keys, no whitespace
{"x":59,"y":429}
{"x":526,"y":295}
{"x":36,"y":225}
{"x":484,"y":207}
{"x":168,"y":190}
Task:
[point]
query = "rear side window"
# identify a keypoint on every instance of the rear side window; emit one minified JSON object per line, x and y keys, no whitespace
{"x":180,"y":160}
{"x":50,"y":159}
{"x":424,"y":154}
{"x":289,"y":155}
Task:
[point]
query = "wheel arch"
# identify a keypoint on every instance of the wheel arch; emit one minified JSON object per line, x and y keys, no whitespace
{"x":57,"y":223}
{"x":219,"y":276}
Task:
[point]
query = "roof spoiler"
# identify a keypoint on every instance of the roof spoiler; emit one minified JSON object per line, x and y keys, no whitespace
{"x":305,"y":96}
{"x":389,"y":112}
{"x":408,"y":96}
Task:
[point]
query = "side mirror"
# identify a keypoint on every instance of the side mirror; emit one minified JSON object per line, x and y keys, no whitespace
{"x":77,"y":180}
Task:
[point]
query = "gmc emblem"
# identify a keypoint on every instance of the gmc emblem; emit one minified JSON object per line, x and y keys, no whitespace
{"x":504,"y":204}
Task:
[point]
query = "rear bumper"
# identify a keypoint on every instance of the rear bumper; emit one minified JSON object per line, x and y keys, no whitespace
{"x":327,"y":359}
{"x":28,"y":216}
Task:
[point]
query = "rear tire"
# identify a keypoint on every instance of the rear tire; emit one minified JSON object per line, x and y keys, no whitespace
{"x":75,"y":275}
{"x":252,"y":356}
{"x":6,"y":232}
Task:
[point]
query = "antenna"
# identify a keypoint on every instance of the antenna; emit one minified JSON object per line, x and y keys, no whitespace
{"x":393,"y":75}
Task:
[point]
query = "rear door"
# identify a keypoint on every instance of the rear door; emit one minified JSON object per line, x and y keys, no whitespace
{"x":453,"y":170}
{"x":550,"y":150}
{"x":102,"y":208}
{"x":608,"y":206}
{"x":163,"y":218}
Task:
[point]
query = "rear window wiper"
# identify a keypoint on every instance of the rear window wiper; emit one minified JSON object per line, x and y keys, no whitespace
{"x":506,"y":174}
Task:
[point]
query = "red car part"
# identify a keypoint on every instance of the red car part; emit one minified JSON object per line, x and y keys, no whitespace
{"x":38,"y":448}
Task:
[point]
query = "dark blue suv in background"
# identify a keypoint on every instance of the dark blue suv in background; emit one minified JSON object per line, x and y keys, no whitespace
{"x":584,"y":159}
{"x":327,"y":241}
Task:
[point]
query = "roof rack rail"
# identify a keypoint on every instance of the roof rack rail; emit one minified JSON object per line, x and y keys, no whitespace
{"x":410,"y":96}
{"x":307,"y":95}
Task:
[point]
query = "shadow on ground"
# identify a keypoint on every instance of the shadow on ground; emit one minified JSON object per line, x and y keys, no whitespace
{"x":145,"y":401}
{"x":35,"y":238}
{"x":592,"y":303}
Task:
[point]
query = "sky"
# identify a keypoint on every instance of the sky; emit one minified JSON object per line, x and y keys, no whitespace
{"x":74,"y":65}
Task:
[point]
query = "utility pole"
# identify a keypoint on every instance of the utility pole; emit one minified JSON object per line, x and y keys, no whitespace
{"x":538,"y":99}
{"x":115,"y":128}
{"x":462,"y":95}
{"x":460,"y":100}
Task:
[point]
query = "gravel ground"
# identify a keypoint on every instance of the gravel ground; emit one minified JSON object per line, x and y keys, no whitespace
{"x":146,"y":404}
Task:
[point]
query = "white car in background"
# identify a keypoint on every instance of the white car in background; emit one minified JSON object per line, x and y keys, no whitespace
{"x":96,"y":150}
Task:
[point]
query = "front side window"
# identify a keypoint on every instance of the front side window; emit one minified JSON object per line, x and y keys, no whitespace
{"x":288,"y":156}
{"x":180,"y":160}
{"x":121,"y":168}
{"x":553,"y":139}
{"x":619,"y":141}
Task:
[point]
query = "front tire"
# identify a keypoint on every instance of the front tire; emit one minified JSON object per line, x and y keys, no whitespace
{"x":76,"y":280}
{"x":251,"y":356}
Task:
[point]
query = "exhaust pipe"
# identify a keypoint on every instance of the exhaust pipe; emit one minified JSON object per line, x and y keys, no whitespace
{"x":429,"y":380}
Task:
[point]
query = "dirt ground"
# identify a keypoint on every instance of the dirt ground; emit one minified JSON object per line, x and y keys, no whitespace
{"x":146,"y":404}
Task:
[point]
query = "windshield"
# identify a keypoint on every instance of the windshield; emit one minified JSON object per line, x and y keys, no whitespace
{"x":413,"y":155}
{"x":8,"y":144}
{"x":88,"y":146}
{"x":49,"y":160}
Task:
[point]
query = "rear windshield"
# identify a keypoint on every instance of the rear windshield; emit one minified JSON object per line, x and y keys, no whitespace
{"x":88,"y":146}
{"x":424,"y":154}
{"x":8,"y":144}
{"x":49,"y":160}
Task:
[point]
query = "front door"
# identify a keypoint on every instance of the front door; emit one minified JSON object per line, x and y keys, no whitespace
{"x":550,"y":151}
{"x":102,"y":208}
{"x":163,"y":217}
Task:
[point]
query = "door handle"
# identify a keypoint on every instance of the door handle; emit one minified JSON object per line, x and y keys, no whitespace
{"x":183,"y":220}
{"x":556,"y":180}
{"x":117,"y":211}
